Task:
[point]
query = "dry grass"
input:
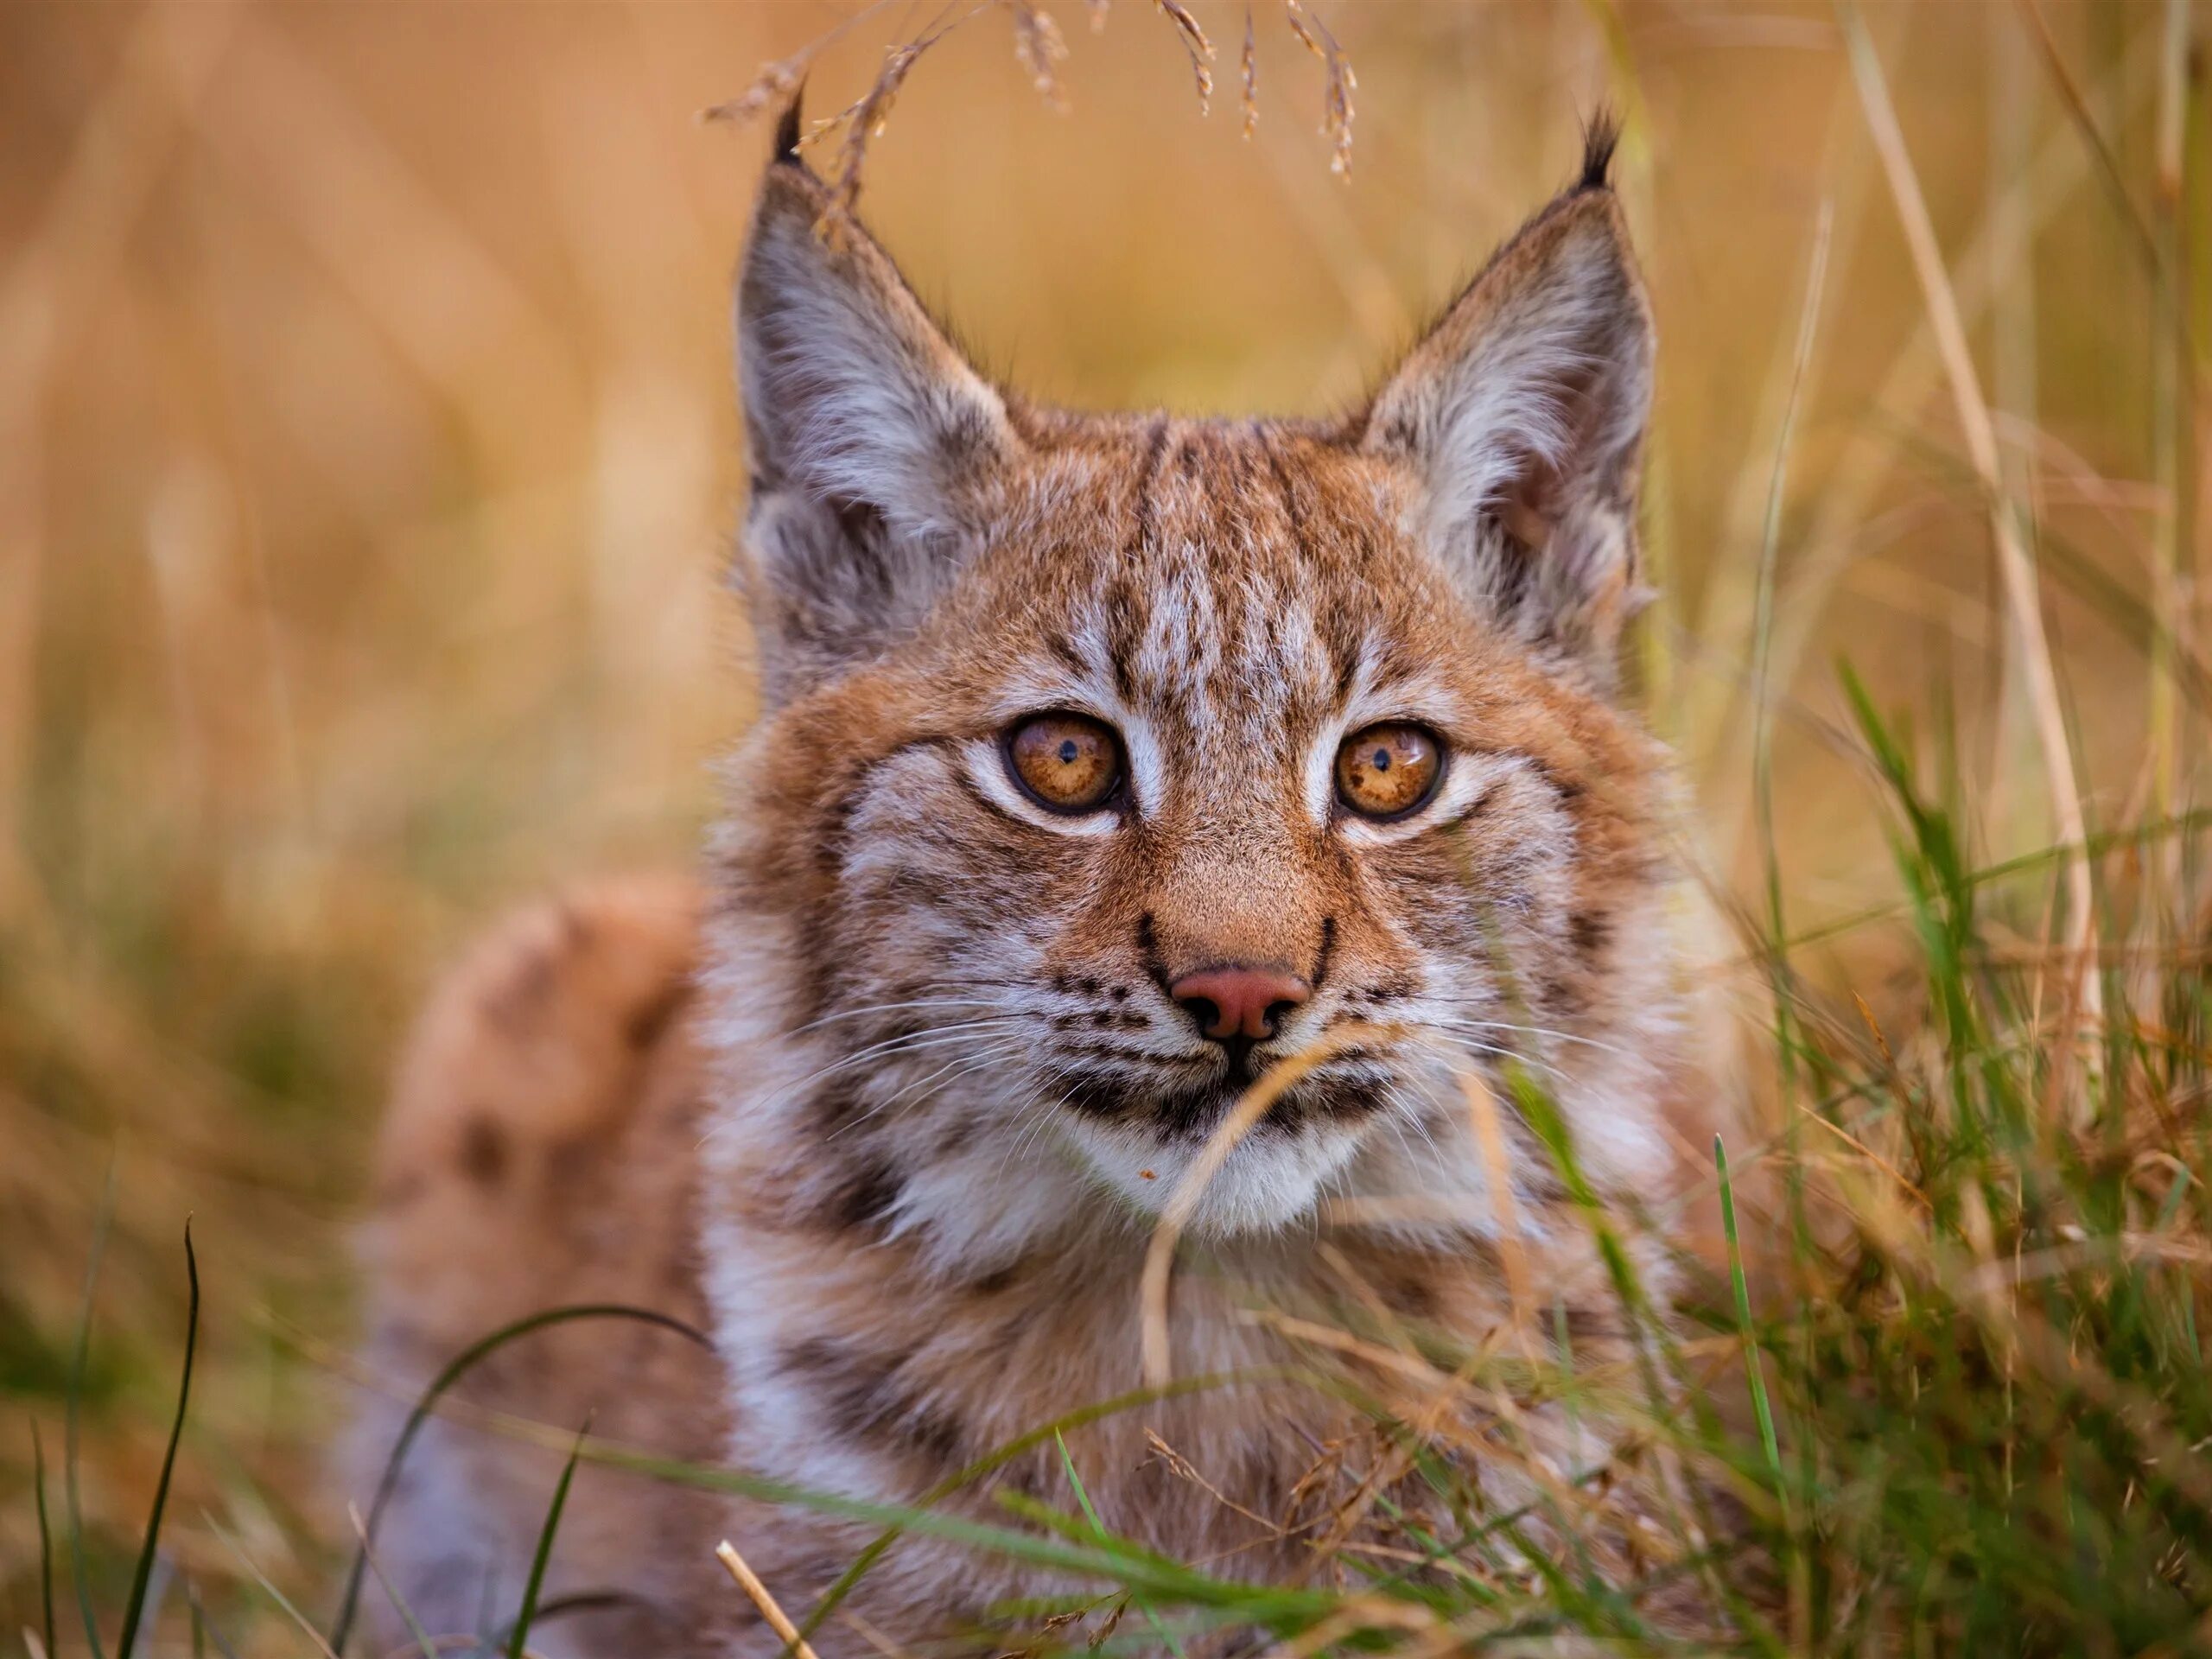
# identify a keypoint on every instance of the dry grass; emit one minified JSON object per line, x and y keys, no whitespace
{"x":1039,"y":47}
{"x":364,"y":454}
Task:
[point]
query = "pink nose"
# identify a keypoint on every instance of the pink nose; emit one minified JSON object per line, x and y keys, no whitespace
{"x":1239,"y":1001}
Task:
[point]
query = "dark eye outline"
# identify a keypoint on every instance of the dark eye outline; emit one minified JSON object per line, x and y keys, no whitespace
{"x":1113,"y":797}
{"x":1427,"y":796}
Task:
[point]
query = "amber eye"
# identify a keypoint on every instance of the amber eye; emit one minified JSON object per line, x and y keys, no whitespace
{"x":1388,"y":771}
{"x":1070,"y":763}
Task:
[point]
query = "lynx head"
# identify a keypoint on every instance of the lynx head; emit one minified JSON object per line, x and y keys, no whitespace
{"x":1108,"y":760}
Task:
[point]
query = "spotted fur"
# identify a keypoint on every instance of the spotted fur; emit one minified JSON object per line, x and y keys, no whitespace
{"x":896,"y":1118}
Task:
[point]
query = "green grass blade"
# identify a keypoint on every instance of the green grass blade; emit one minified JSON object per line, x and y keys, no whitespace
{"x":45,"y":1541}
{"x":1769,"y":551}
{"x":581,"y":1601}
{"x":1570,"y":1395}
{"x":79,"y":1570}
{"x":1097,"y":1526}
{"x":456,"y":1368}
{"x":1752,"y":1362}
{"x":520,"y":1636}
{"x":135,"y":1608}
{"x":1111,"y":1562}
{"x":975,"y":1472}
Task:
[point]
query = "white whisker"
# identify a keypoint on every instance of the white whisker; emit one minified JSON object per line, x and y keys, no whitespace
{"x":896,"y":1007}
{"x":1527,"y":1031}
{"x":973,"y":1061}
{"x":905,"y":1043}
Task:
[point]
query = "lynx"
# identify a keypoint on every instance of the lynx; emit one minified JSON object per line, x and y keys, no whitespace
{"x":1109,"y":763}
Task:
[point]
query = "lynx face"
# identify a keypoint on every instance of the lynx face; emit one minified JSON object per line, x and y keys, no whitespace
{"x":1111,"y":761}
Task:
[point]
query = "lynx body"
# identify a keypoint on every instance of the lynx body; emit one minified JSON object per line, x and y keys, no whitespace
{"x":890,"y":1106}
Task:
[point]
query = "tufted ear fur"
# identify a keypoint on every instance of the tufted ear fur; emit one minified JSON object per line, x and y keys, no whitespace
{"x":871,"y":441}
{"x":1523,"y":412}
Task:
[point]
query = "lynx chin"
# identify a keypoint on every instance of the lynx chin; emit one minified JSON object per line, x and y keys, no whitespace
{"x":1106,"y":762}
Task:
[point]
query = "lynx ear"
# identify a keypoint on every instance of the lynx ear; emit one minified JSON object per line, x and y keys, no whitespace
{"x":871,"y":441}
{"x":1523,"y":413}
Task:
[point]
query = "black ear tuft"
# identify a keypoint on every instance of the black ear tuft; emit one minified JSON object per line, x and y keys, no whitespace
{"x":1601,"y":135}
{"x":787,"y":127}
{"x":877,"y":451}
{"x":1522,"y":414}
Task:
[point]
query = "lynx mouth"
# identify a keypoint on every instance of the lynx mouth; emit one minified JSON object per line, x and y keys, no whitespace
{"x":1181,"y":1108}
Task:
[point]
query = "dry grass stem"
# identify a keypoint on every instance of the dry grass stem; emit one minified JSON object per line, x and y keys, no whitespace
{"x":775,"y":83}
{"x":1838,"y":538}
{"x":2077,"y":110}
{"x":1196,"y":47}
{"x":1367,"y":1613}
{"x":1338,"y":83}
{"x":1251,"y":1106}
{"x":1329,"y":1337}
{"x":866,"y":121}
{"x":771,"y":88}
{"x":1249,"y":78}
{"x":2083,"y":987}
{"x":1497,"y":1171}
{"x":2173,"y":418}
{"x":874,"y":1637}
{"x":749,"y":1581}
{"x":1182,"y":1469}
{"x":314,"y":1637}
{"x":1867,"y":1152}
{"x":425,"y":1643}
{"x":1039,"y":47}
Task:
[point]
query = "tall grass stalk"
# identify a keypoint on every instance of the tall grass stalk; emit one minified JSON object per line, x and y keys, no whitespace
{"x":448,"y":1375}
{"x":796,"y":1646}
{"x":133,"y":1609}
{"x":2017,"y":815}
{"x":424,"y":1645}
{"x":204,"y":1630}
{"x":2173,"y":377}
{"x":283,"y":1603}
{"x":1754,"y":1368}
{"x":1168,"y":1638}
{"x":45,"y":1541}
{"x":79,"y":1568}
{"x":518,"y":1638}
{"x":1831,"y":543}
{"x":2082,"y":988}
{"x":1763,"y":623}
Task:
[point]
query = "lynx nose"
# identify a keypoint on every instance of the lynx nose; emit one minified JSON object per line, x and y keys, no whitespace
{"x":1237,"y":1001}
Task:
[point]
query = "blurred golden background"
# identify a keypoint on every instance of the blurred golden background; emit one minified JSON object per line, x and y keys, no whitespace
{"x":367,"y":455}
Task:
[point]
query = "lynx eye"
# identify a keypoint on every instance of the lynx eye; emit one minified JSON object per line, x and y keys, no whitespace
{"x":1389,"y":771}
{"x":1066,"y":763}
